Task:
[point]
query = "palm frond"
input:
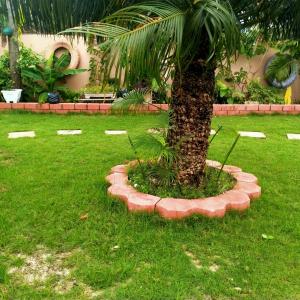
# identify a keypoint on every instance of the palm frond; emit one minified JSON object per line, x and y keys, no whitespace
{"x":139,"y":39}
{"x":130,"y":102}
{"x":280,"y":67}
{"x":52,"y":16}
{"x":278,"y":19}
{"x":147,"y":40}
{"x":217,"y":19}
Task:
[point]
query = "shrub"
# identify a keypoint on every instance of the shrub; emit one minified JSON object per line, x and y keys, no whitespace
{"x":69,"y":95}
{"x":49,"y":76}
{"x":28,"y":62}
{"x":29,"y":59}
{"x":5,"y":79}
{"x":227,"y":94}
{"x":259,"y":93}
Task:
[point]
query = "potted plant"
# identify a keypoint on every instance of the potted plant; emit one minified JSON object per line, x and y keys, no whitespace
{"x":95,"y":93}
{"x":10,"y":95}
{"x":50,"y":77}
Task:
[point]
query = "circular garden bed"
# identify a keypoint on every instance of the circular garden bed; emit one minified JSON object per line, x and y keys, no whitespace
{"x":239,"y":198}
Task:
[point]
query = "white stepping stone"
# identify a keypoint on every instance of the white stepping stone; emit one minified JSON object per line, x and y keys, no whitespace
{"x":257,"y":135}
{"x":212,"y":132}
{"x":293,"y":136}
{"x":69,"y":132}
{"x":24,"y":134}
{"x":115,"y":132}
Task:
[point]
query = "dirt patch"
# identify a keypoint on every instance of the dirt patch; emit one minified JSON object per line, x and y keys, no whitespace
{"x":194,"y":260}
{"x":44,"y":265}
{"x":41,"y":266}
{"x":6,"y":159}
{"x":157,"y":130}
{"x":214,"y":268}
{"x":90,"y":293}
{"x":3,"y":189}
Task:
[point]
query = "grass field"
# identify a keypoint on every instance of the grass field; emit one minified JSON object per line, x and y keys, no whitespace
{"x":61,"y":237}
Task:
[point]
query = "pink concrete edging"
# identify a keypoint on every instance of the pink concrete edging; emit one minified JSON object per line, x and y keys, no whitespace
{"x":104,"y":108}
{"x":239,"y":198}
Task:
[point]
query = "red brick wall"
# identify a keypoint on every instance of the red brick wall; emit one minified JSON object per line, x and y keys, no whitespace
{"x":261,"y":109}
{"x":91,"y":108}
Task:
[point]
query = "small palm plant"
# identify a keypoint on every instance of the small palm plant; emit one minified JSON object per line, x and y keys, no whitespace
{"x":184,"y":37}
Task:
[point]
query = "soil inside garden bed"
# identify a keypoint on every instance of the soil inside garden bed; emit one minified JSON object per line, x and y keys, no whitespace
{"x":154,"y":179}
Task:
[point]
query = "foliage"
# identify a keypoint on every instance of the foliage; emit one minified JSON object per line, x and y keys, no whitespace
{"x":159,"y":169}
{"x":3,"y":15}
{"x":252,"y":43}
{"x":227,"y":156}
{"x":69,"y":95}
{"x":230,"y":94}
{"x":157,"y":175}
{"x":280,"y":15}
{"x":160,"y":182}
{"x":95,"y":63}
{"x":261,"y":94}
{"x":131,"y":101}
{"x":289,"y":55}
{"x":230,"y":87}
{"x":160,"y":92}
{"x":33,"y":15}
{"x":235,"y":88}
{"x":49,"y":76}
{"x":97,"y":89}
{"x":254,"y":92}
{"x":276,"y":19}
{"x":165,"y":28}
{"x":5,"y":79}
{"x":29,"y":59}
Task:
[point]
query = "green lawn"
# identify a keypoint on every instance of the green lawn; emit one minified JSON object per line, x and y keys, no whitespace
{"x":48,"y":183}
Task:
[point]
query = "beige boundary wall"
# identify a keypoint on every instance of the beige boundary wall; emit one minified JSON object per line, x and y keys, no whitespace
{"x":44,"y":44}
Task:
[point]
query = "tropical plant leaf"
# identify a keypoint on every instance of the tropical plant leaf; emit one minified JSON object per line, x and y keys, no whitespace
{"x":32,"y":74}
{"x":147,"y":40}
{"x":69,"y":72}
{"x":131,"y":102}
{"x":280,"y":67}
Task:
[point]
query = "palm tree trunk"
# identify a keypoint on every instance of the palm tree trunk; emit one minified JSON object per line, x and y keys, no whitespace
{"x":13,"y":49}
{"x":190,"y":120}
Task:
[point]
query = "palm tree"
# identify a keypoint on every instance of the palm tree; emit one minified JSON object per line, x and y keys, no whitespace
{"x":189,"y":37}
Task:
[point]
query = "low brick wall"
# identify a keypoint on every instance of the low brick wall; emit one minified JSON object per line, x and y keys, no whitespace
{"x":262,"y":109}
{"x":92,"y":108}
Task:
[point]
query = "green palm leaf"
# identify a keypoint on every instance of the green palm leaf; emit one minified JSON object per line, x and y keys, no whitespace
{"x":151,"y":38}
{"x":280,"y":67}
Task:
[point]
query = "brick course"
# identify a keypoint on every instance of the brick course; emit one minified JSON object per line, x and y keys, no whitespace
{"x":91,"y":108}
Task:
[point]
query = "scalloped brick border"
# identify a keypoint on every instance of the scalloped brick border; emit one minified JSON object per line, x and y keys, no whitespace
{"x":239,"y":198}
